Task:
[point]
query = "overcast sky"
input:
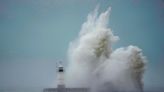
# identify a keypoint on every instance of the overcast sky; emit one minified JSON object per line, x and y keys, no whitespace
{"x":34,"y":34}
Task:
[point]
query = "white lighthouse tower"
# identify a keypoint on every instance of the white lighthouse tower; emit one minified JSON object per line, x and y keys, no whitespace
{"x":60,"y":76}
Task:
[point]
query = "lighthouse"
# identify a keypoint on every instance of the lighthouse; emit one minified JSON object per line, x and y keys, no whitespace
{"x":60,"y":76}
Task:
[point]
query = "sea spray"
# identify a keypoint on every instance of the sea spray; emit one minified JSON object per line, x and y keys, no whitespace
{"x":93,"y":63}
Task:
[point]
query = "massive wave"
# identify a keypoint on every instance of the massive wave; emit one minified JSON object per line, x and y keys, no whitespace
{"x":93,"y":63}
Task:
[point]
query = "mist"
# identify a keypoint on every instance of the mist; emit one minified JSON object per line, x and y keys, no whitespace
{"x":95,"y":65}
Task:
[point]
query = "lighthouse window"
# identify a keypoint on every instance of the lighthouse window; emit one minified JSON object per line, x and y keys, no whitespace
{"x":60,"y":69}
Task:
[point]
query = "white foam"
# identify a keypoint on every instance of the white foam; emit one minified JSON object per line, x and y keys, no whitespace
{"x":93,"y":64}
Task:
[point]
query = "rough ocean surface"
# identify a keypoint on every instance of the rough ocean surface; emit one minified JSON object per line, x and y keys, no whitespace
{"x":93,"y":63}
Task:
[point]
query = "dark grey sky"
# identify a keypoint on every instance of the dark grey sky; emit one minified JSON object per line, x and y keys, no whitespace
{"x":34,"y":34}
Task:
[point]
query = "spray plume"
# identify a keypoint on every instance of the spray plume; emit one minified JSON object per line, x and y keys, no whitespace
{"x":93,"y":64}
